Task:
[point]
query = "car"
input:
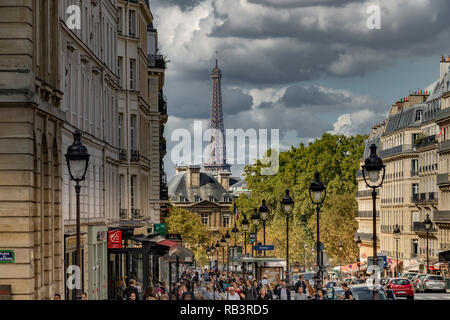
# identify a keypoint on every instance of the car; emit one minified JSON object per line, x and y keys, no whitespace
{"x":434,"y":283}
{"x":417,"y":282}
{"x":357,"y":281}
{"x":409,"y":275}
{"x":402,"y":287}
{"x":365,"y":292}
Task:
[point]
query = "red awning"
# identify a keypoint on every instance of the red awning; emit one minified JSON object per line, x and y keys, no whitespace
{"x":168,"y":243}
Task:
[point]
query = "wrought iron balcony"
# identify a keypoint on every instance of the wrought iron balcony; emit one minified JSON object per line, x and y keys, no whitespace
{"x":425,"y":197}
{"x":442,"y":179}
{"x":441,"y":216}
{"x":366,"y":214}
{"x":156,"y":61}
{"x":426,"y":141}
{"x":135,"y":156}
{"x":162,"y":105}
{"x":365,"y":193}
{"x":444,"y":146}
{"x":136,"y":214}
{"x":414,"y":173}
{"x":163,"y":146}
{"x":401,"y":149}
{"x":164,"y":190}
{"x":123,"y":154}
{"x":419,"y":226}
{"x":123,"y":214}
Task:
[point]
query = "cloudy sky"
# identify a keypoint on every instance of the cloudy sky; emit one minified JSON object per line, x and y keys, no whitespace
{"x":304,"y":67}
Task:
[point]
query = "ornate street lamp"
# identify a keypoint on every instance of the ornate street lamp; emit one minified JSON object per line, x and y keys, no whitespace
{"x":228,"y":240}
{"x":428,"y":226}
{"x":77,"y":158}
{"x":287,"y":206}
{"x":396,"y":232}
{"x":373,"y":166}
{"x":217,"y":246}
{"x":223,"y":244}
{"x":317,"y":193}
{"x":255,"y":221}
{"x":245,"y":226}
{"x":358,"y":244}
{"x":264,"y":212}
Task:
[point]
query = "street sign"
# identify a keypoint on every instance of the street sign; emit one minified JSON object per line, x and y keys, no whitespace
{"x":252,"y":237}
{"x":174,"y":237}
{"x":114,"y":239}
{"x":320,"y":245}
{"x":7,"y":256}
{"x":264,"y":247}
{"x":160,"y":228}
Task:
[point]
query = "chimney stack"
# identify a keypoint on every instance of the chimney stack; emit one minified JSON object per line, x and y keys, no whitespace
{"x":443,"y":67}
{"x":193,"y":176}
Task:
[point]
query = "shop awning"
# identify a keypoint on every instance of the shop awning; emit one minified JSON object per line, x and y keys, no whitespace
{"x":168,"y":243}
{"x":350,"y":267}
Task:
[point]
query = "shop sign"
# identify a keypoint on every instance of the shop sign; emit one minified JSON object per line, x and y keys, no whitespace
{"x":160,"y":228}
{"x":7,"y":256}
{"x":114,"y":239}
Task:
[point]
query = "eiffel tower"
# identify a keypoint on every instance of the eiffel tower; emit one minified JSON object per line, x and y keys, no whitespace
{"x":217,"y":161}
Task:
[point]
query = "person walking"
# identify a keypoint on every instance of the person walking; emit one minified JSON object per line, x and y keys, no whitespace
{"x":309,"y":290}
{"x":232,"y":295}
{"x":263,"y":295}
{"x":300,"y":294}
{"x":131,"y":288}
{"x":282,"y":292}
{"x":300,"y":282}
{"x":348,"y":295}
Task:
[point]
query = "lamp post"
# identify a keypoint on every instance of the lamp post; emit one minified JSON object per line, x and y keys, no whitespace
{"x":317,"y":193}
{"x":245,"y":225}
{"x":305,"y":247}
{"x":223,"y":243}
{"x":77,"y":158}
{"x":287,"y":206}
{"x":235,"y":232}
{"x":228,"y":241}
{"x":396,"y":234}
{"x":373,"y":166}
{"x":217,"y":246}
{"x":255,"y":222}
{"x":428,"y":225}
{"x":358,"y":243}
{"x":264,"y":212}
{"x":208,"y":253}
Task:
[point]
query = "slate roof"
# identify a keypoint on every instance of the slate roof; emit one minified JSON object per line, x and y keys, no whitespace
{"x":208,"y":186}
{"x":404,"y":119}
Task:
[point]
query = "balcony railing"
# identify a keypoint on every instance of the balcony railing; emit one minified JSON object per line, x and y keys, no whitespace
{"x":135,"y":156}
{"x":156,"y":61}
{"x":414,"y":173}
{"x":366,"y":214}
{"x":442,"y":179}
{"x":162,"y":105}
{"x":164,"y":190}
{"x":405,"y":148}
{"x":419,"y":226}
{"x":136,"y":214}
{"x":444,"y":146}
{"x":122,"y":155}
{"x":441,"y":216}
{"x":364,"y":193}
{"x":123,"y":214}
{"x":426,"y":141}
{"x":443,"y":114}
{"x":424,"y":197}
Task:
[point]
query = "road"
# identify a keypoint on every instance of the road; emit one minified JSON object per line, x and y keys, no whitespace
{"x":432,"y":296}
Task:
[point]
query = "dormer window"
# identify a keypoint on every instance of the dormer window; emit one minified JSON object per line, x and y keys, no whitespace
{"x":197,"y":198}
{"x":181,"y":197}
{"x":211,"y":198}
{"x":418,"y":115}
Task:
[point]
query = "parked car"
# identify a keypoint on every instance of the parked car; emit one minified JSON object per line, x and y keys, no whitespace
{"x":434,"y":283}
{"x":402,"y":287}
{"x":417,"y":282}
{"x":365,"y":292}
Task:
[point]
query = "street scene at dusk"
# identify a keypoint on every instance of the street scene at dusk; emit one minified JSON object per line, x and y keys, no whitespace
{"x":224,"y":150}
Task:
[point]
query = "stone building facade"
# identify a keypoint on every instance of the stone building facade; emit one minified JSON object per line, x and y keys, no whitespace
{"x":56,"y":79}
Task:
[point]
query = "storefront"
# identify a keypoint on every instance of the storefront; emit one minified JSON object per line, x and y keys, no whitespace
{"x":132,"y":255}
{"x":70,"y":249}
{"x":97,"y":263}
{"x":175,"y":262}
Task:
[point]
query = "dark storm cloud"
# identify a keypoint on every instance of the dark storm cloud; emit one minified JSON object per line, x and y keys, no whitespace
{"x":297,"y":96}
{"x":301,"y":3}
{"x":235,"y":101}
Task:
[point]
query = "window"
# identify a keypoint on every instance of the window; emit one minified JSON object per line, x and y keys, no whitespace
{"x":119,"y":25}
{"x":132,"y":73}
{"x":120,"y":190}
{"x":415,"y":247}
{"x":132,"y":191}
{"x":205,"y":219}
{"x":418,"y":115}
{"x":120,"y":129}
{"x":197,"y":198}
{"x":132,"y":22}
{"x":226,"y":221}
{"x":414,"y":167}
{"x":132,"y":130}
{"x":181,"y":197}
{"x":415,"y":189}
{"x":119,"y":69}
